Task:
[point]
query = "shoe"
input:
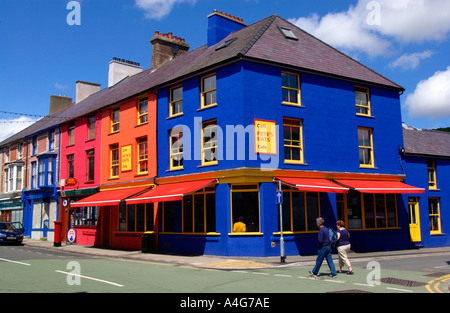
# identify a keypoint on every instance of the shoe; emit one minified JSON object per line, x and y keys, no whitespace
{"x":312,"y":274}
{"x":332,"y":276}
{"x":350,"y":273}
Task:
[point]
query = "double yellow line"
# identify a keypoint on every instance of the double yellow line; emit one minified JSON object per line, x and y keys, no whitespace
{"x":433,"y":286}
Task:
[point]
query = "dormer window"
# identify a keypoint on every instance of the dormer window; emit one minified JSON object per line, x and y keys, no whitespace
{"x":287,"y":33}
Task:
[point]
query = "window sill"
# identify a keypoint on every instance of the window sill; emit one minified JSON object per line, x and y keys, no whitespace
{"x":141,"y":174}
{"x":207,"y":107}
{"x":295,"y":163}
{"x":174,"y":116}
{"x":293,"y":105}
{"x":369,"y":167}
{"x":246,"y":234}
{"x":206,"y":165}
{"x":116,"y":132}
{"x":364,"y":115}
{"x":175,"y":169}
{"x":142,"y":124}
{"x":437,"y":234}
{"x":434,"y":189}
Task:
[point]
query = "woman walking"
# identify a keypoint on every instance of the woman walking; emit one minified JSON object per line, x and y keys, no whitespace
{"x":343,"y":247}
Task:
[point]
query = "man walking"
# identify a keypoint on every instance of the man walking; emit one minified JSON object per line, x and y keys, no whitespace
{"x":324,"y":249}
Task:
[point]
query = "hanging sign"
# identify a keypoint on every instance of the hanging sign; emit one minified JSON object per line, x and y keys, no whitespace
{"x":265,"y":137}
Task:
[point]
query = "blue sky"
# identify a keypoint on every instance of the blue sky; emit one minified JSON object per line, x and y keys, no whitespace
{"x":408,"y":41}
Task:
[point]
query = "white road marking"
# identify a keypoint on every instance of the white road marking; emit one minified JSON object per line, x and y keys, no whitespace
{"x":404,"y":290}
{"x":91,"y":278}
{"x":10,"y":261}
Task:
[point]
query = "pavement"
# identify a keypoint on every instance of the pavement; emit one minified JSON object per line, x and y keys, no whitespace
{"x":221,"y":262}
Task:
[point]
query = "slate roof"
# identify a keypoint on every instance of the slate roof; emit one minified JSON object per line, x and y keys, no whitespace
{"x":426,"y":142}
{"x":261,"y":41}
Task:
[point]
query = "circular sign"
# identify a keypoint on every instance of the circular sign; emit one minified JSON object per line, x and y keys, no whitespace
{"x":71,"y":235}
{"x":71,"y":181}
{"x":65,"y":202}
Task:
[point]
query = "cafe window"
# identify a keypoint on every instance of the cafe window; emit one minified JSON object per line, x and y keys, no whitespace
{"x":136,"y":217}
{"x":199,"y":211}
{"x":300,"y":210}
{"x":168,"y":216}
{"x":245,"y":207}
{"x":367,"y":211}
{"x":86,"y":216}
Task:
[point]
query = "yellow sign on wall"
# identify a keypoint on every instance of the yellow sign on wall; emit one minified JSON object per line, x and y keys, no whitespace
{"x":126,"y":158}
{"x":265,"y":137}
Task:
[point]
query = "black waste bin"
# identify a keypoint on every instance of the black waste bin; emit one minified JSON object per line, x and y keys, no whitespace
{"x":148,"y":242}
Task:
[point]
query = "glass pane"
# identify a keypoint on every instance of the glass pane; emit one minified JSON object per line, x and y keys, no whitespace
{"x":199,"y":213}
{"x":391,"y":210}
{"x":246,"y":205}
{"x":210,"y":212}
{"x":169,"y":224}
{"x":149,"y":220}
{"x":286,"y":212}
{"x":140,"y":214}
{"x":187,"y":214}
{"x":380,"y":209}
{"x":131,"y":218}
{"x":369,"y":211}
{"x":209,"y":83}
{"x":177,"y":93}
{"x":312,"y":204}
{"x":354,"y":210}
{"x":298,"y":211}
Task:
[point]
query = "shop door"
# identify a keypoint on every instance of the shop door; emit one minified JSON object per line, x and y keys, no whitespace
{"x":414,"y":219}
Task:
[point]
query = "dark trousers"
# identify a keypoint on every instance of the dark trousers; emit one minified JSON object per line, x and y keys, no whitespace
{"x":324,"y":253}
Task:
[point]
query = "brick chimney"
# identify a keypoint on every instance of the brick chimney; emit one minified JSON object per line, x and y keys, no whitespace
{"x":165,"y":47}
{"x":58,"y":103}
{"x":222,"y":24}
{"x":121,"y":68}
{"x":85,"y":89}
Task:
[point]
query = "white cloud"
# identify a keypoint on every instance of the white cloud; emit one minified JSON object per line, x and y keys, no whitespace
{"x":61,"y":86}
{"x":431,"y":97}
{"x":158,"y":9}
{"x":344,"y":31}
{"x":9,"y":127}
{"x":411,"y":60}
{"x":371,"y":25}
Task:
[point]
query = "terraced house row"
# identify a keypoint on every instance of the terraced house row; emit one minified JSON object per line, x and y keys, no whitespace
{"x":205,"y":138}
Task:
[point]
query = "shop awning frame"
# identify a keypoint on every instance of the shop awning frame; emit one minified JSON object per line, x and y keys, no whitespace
{"x":380,"y":186}
{"x":313,"y":184}
{"x":170,"y":192}
{"x":109,"y":197}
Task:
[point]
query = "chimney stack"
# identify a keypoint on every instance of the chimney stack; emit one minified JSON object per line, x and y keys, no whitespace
{"x":85,"y":89}
{"x":221,"y":24}
{"x":165,"y":47}
{"x":120,"y":69}
{"x":58,"y":103}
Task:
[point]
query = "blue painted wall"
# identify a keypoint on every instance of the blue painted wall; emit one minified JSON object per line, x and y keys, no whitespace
{"x":417,"y":175}
{"x":246,"y":91}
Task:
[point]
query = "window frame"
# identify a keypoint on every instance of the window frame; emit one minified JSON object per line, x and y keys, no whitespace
{"x":113,"y":163}
{"x":91,"y":120}
{"x":297,"y":90}
{"x":90,"y":157}
{"x":124,"y":222}
{"x":436,"y":214}
{"x":204,"y":93}
{"x":366,"y":148}
{"x":142,"y":117}
{"x":291,"y":122}
{"x":210,"y":190}
{"x":115,"y":124}
{"x":243,"y":188}
{"x":46,"y":171}
{"x":431,"y":168}
{"x":140,"y":161}
{"x":176,"y":134}
{"x":291,"y":190}
{"x":214,"y":143}
{"x":71,"y":134}
{"x":70,"y":165}
{"x":360,"y":106}
{"x":176,"y":102}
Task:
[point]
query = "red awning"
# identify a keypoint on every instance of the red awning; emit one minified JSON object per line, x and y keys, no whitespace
{"x":375,"y":186}
{"x":108,"y":197}
{"x":313,"y":184}
{"x":170,"y":192}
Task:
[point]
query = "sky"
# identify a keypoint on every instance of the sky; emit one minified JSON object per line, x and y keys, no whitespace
{"x":47,"y":45}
